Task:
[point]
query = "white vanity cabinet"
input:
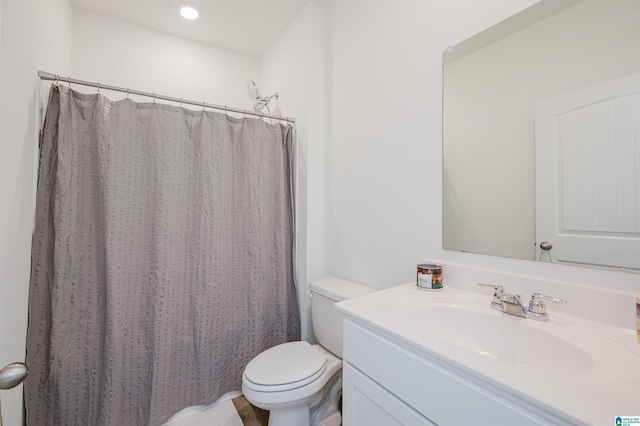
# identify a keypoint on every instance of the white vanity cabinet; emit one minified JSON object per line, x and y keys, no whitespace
{"x":389,"y":383}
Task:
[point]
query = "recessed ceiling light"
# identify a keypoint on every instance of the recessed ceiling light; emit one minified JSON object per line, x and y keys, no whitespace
{"x":189,"y":12}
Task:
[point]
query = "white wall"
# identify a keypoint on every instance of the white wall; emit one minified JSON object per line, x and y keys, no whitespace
{"x":294,"y":66}
{"x":120,"y":54}
{"x":34,"y":35}
{"x":384,"y":197}
{"x":589,"y":43}
{"x":383,"y":209}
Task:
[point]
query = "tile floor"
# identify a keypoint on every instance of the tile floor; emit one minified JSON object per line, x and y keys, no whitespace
{"x":250,"y":415}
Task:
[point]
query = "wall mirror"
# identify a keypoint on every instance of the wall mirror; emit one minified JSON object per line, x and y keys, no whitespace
{"x":541,"y":136}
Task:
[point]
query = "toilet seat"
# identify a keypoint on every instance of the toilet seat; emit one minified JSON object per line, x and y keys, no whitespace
{"x":285,"y":367}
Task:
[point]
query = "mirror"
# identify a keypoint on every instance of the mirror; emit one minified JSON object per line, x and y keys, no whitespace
{"x":541,"y":136}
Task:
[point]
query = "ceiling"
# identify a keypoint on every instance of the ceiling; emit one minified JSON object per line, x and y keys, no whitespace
{"x":245,"y":26}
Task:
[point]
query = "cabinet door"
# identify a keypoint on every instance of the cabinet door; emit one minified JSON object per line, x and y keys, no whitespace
{"x":365,"y":403}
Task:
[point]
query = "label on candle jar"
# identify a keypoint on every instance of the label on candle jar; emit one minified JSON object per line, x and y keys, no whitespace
{"x":425,"y":280}
{"x":429,"y":276}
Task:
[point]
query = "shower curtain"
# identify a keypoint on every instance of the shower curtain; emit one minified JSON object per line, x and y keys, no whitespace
{"x":161,"y":258}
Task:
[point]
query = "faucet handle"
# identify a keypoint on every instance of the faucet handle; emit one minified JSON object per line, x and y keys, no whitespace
{"x":497,"y":288}
{"x":496,"y":303}
{"x":536,"y":304}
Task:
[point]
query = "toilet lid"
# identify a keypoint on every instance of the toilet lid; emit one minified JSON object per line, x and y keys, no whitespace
{"x":290,"y":364}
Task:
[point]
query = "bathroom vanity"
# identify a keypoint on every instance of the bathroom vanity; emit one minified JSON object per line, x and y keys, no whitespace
{"x":416,"y":357}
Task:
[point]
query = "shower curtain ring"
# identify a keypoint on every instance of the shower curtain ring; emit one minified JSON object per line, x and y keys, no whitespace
{"x":203,"y":105}
{"x":69,"y":80}
{"x":57,"y":79}
{"x":180,"y":102}
{"x":127,"y":93}
{"x":153,"y":96}
{"x":98,"y":84}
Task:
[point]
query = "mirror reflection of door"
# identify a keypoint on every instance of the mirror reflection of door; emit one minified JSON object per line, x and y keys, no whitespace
{"x":588,"y":175}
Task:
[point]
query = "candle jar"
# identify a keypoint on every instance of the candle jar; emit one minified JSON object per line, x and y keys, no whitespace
{"x":429,"y":276}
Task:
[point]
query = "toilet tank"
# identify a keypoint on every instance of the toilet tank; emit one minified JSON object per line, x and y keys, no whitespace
{"x":325,"y":318}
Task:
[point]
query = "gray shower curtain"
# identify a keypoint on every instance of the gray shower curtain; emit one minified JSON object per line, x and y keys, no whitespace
{"x":161,"y":259}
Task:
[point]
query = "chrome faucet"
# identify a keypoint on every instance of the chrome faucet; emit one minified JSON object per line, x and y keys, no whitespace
{"x":512,"y":305}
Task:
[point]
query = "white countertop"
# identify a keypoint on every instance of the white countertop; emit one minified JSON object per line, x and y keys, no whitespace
{"x":609,"y":388}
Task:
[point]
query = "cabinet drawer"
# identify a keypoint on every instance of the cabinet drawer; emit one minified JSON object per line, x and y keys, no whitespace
{"x":444,"y":395}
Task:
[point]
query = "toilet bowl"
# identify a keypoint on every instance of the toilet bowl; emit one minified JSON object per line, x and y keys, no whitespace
{"x":291,"y":399}
{"x":299,"y":383}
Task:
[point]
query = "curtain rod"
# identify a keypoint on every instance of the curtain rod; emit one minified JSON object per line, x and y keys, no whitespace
{"x":54,"y":77}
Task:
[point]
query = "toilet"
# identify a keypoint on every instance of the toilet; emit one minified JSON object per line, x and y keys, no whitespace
{"x":299,"y":383}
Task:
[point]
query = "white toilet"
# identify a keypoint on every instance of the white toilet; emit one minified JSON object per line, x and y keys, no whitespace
{"x":300,"y":384}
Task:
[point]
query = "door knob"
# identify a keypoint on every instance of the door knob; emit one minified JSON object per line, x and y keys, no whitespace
{"x":12,"y":375}
{"x":545,"y":247}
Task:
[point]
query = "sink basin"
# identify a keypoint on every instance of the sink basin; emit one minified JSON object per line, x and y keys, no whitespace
{"x":554,"y":347}
{"x":506,"y":338}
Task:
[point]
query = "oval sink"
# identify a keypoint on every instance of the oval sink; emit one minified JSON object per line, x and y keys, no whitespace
{"x":517,"y":341}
